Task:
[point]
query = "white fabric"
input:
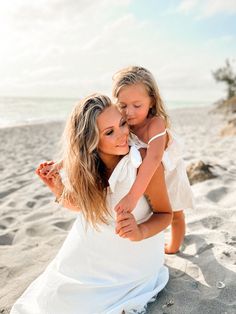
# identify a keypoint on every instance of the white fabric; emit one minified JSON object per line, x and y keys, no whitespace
{"x":178,"y":186}
{"x":98,"y":271}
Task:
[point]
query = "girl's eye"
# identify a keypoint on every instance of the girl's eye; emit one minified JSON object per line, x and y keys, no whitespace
{"x":122,"y":107}
{"x":137,"y":106}
{"x":124,"y":123}
{"x":109,"y":132}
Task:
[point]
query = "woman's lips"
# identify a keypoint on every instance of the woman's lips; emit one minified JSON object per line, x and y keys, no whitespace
{"x":123,"y":144}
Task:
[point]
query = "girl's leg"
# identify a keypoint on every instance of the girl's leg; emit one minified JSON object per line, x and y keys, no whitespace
{"x":177,"y":232}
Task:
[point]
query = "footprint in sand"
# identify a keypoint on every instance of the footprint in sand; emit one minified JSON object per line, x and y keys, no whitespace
{"x":12,"y":204}
{"x":6,"y":221}
{"x":2,"y":227}
{"x":32,"y":232}
{"x":30,"y":204}
{"x":217,"y":194}
{"x":37,"y":216}
{"x":212,"y":222}
{"x":65,"y":225}
{"x":40,"y":196}
{"x":6,"y":193}
{"x":6,"y":239}
{"x":231,"y":241}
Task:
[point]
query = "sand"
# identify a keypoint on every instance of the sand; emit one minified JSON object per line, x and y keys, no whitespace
{"x":33,"y":227}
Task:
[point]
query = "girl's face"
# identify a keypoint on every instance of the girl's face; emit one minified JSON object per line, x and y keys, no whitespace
{"x":134,"y":103}
{"x":113,"y":134}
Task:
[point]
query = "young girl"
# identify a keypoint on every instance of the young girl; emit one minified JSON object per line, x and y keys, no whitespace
{"x":138,"y":98}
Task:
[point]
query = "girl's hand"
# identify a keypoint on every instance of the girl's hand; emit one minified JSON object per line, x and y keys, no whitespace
{"x":127,"y":227}
{"x":53,"y":181}
{"x":126,"y":204}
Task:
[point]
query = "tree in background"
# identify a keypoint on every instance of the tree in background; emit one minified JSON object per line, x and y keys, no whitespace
{"x":226,"y":75}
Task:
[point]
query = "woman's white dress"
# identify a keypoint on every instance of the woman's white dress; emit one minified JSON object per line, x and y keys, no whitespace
{"x":98,"y":271}
{"x":177,"y":182}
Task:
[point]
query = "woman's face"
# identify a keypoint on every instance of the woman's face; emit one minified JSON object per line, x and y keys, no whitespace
{"x":113,"y":133}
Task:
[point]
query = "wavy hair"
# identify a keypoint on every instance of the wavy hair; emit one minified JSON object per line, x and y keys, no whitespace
{"x":85,"y":182}
{"x":135,"y":75}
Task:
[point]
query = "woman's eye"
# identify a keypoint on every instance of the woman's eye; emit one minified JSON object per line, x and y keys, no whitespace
{"x":137,"y":106}
{"x":109,"y":132}
{"x":124,"y":123}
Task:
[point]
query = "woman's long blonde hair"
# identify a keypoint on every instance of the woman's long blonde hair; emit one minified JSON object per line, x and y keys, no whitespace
{"x":84,"y":183}
{"x":135,"y":75}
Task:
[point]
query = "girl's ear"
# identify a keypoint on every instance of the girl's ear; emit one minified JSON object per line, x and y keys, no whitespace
{"x":152,"y":111}
{"x":152,"y":108}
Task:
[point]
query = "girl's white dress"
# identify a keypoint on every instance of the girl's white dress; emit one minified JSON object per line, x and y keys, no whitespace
{"x":98,"y":271}
{"x":177,"y":182}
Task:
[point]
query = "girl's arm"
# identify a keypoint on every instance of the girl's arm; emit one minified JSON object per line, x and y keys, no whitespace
{"x":162,"y":213}
{"x":148,"y":167}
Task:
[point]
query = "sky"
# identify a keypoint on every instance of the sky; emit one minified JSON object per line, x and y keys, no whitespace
{"x":71,"y":48}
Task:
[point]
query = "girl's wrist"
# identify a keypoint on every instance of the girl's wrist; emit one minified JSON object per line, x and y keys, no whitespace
{"x":133,"y":197}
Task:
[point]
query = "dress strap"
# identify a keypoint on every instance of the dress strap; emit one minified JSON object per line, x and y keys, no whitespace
{"x":156,"y":136}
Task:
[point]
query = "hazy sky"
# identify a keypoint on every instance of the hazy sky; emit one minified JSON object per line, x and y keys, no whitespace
{"x":69,"y":48}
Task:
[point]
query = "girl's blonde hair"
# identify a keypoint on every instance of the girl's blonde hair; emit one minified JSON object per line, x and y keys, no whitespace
{"x":85,"y":182}
{"x":135,"y":75}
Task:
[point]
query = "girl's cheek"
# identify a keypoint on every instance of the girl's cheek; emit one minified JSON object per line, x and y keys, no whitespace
{"x":123,"y":112}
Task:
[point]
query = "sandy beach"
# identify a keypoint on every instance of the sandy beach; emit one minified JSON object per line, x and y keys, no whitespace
{"x":33,"y":226}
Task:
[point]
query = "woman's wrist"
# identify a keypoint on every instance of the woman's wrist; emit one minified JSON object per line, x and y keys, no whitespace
{"x":57,"y":191}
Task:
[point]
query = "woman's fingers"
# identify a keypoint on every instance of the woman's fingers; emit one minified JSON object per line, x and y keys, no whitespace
{"x":127,"y":234}
{"x":125,"y":223}
{"x":123,"y":231}
{"x":122,"y":224}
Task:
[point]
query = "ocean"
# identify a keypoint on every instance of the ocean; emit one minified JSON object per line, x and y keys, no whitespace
{"x":20,"y":111}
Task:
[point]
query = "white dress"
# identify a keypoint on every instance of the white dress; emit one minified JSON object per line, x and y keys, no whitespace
{"x":177,"y":182}
{"x":98,"y":271}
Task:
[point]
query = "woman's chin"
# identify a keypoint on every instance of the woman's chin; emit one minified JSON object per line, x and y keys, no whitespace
{"x":123,"y":150}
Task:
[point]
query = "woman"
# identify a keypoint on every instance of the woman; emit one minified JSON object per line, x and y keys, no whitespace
{"x":107,"y":263}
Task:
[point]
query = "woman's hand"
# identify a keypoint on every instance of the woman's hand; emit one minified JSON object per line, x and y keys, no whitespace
{"x":127,"y":227}
{"x":56,"y":167}
{"x":53,"y":181}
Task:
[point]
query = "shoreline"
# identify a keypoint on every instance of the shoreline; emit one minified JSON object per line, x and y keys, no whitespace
{"x":63,"y":120}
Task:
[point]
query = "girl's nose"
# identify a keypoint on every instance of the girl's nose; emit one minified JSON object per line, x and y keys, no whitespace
{"x":128,"y":112}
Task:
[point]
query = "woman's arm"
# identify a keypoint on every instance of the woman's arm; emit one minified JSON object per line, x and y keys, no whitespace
{"x":156,"y":194}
